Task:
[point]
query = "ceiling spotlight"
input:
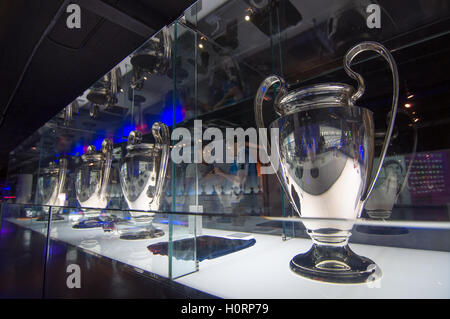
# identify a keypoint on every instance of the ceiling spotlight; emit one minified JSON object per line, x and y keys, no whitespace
{"x":247,"y":18}
{"x":145,"y":78}
{"x":408,"y":105}
{"x":416,"y":120}
{"x":200,"y":45}
{"x":410,"y":96}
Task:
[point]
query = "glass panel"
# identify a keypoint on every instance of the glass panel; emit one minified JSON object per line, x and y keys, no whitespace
{"x":23,"y":240}
{"x":183,"y":177}
{"x":105,"y":257}
{"x":305,"y":43}
{"x":128,"y":202}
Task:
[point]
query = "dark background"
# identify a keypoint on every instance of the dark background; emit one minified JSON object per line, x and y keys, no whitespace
{"x":59,"y":63}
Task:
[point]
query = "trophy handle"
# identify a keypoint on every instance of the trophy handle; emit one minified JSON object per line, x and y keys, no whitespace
{"x":61,"y":177}
{"x":259,"y":99}
{"x":413,"y":154}
{"x":107,"y":150}
{"x":116,"y":78}
{"x":167,"y":44}
{"x":162,"y":137}
{"x":351,"y":54}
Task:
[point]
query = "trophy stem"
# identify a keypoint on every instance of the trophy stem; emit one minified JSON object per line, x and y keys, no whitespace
{"x":330,"y":236}
{"x":379,"y":214}
{"x":335,"y":263}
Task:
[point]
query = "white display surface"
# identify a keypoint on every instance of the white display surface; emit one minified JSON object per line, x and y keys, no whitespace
{"x":262,"y":270}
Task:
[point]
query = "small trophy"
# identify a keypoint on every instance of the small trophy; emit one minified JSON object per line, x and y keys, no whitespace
{"x":393,"y":177}
{"x":104,"y":91}
{"x":91,"y":184}
{"x":326,"y":153}
{"x":154,"y":57}
{"x":50,"y":189}
{"x":142,"y":177}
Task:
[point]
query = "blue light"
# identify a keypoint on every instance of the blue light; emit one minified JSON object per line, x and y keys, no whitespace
{"x":120,"y":135}
{"x":98,"y":143}
{"x":127,"y":129}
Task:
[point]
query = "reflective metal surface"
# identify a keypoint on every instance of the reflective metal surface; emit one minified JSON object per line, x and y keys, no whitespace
{"x":153,"y":58}
{"x":93,"y":177}
{"x":50,"y":188}
{"x":142,"y":177}
{"x":104,"y":92}
{"x":326,"y":153}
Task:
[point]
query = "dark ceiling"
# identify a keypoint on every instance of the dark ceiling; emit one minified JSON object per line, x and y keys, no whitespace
{"x":44,"y":65}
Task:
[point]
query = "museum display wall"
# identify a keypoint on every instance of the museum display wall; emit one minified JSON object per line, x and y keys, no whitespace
{"x":159,"y":180}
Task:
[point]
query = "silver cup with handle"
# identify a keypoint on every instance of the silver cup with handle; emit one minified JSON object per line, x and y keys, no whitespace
{"x":325,"y":150}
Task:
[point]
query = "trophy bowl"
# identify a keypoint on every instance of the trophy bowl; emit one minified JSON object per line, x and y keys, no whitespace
{"x":142,"y":177}
{"x":325,"y":152}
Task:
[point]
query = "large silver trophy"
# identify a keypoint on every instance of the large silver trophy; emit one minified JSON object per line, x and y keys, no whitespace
{"x":142,"y":177}
{"x":50,"y":189}
{"x":326,"y":153}
{"x":92,"y":181}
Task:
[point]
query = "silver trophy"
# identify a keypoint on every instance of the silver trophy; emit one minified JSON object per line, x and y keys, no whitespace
{"x":389,"y":185}
{"x":91,"y":183}
{"x":104,"y":91}
{"x":142,"y":176}
{"x":326,"y":153}
{"x":393,"y":177}
{"x":50,"y":189}
{"x":154,"y":57}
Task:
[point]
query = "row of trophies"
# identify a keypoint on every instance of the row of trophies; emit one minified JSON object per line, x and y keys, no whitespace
{"x":328,"y":184}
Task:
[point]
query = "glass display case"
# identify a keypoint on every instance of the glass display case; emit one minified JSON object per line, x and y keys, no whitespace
{"x":249,"y":144}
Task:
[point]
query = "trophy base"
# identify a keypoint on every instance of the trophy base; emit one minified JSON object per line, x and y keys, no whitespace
{"x":148,"y":233}
{"x":335,"y":264}
{"x":379,"y":214}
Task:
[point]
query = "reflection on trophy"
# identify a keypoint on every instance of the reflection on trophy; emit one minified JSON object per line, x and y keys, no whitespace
{"x":66,"y":115}
{"x":393,"y":176}
{"x":389,"y":185}
{"x":326,"y":153}
{"x":153,"y":58}
{"x":104,"y":91}
{"x":142,"y":177}
{"x":50,"y":189}
{"x":91,"y":184}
